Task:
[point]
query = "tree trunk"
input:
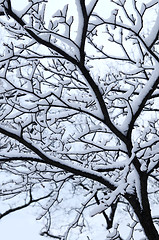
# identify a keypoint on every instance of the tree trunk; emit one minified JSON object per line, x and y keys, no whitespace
{"x":148,"y":226}
{"x":145,"y":219}
{"x":144,"y":212}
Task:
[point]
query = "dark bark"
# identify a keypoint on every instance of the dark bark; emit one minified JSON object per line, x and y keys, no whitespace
{"x":142,"y":207}
{"x":109,"y":220}
{"x":143,"y":211}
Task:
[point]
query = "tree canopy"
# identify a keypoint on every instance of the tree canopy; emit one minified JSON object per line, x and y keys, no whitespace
{"x":79,"y":115}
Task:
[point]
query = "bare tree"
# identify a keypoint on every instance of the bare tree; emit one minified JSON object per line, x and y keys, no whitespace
{"x":79,"y":113}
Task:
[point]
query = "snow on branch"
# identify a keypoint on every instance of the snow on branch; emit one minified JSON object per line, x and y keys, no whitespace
{"x":79,"y":128}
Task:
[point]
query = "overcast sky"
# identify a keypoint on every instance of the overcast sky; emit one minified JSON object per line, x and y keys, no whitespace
{"x":21,"y":225}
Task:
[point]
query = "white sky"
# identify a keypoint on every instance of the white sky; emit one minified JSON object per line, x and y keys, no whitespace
{"x":22,"y":225}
